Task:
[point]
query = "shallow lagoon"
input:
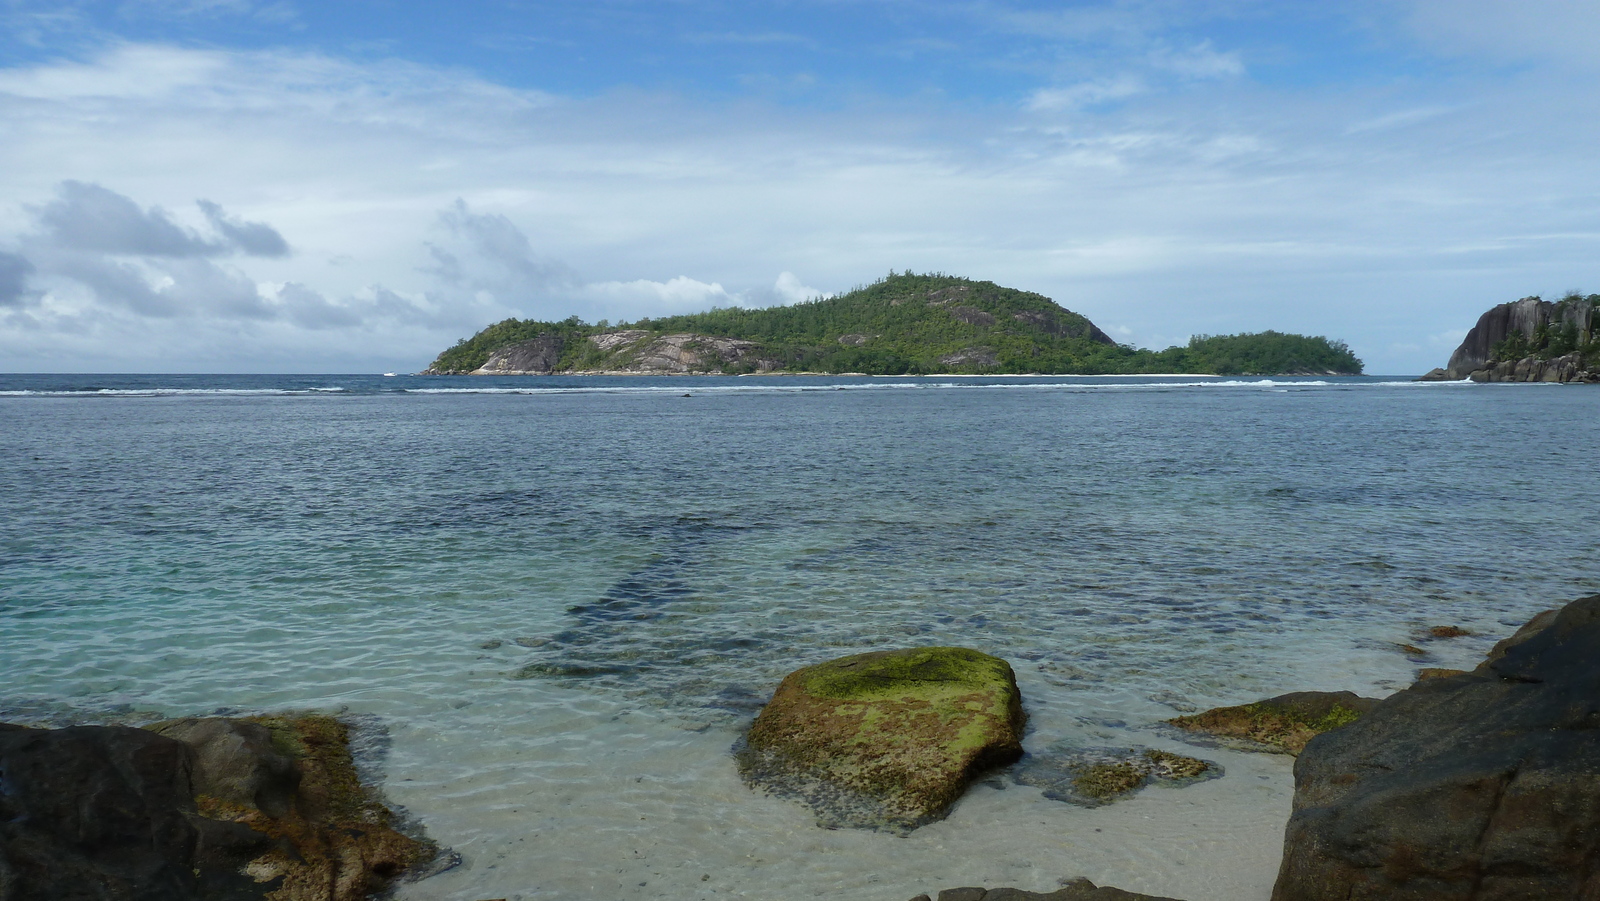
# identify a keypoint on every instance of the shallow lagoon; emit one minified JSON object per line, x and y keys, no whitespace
{"x":563,"y":598}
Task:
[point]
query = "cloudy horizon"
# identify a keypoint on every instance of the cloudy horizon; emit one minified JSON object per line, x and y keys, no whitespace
{"x":238,"y":186}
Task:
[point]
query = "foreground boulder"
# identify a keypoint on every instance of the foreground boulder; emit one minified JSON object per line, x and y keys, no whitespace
{"x":1483,"y":786}
{"x":888,"y":739}
{"x":195,"y":809}
{"x":1283,"y":724}
{"x":95,"y":812}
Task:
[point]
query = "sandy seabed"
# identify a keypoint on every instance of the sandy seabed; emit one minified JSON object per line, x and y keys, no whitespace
{"x":680,"y":824}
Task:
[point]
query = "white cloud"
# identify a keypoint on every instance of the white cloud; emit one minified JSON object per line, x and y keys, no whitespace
{"x":271,"y":12}
{"x":1400,"y":119}
{"x":789,"y":289}
{"x":1199,"y":61}
{"x":1085,"y":93}
{"x":161,"y":72}
{"x":1566,"y":31}
{"x":643,"y":297}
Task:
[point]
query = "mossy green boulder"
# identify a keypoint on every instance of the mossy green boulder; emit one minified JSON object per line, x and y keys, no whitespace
{"x":888,"y":739}
{"x":1283,"y":724}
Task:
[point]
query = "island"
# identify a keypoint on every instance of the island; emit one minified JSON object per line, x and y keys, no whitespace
{"x":904,"y":324}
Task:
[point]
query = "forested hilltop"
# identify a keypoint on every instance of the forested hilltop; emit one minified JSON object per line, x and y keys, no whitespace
{"x":904,"y":324}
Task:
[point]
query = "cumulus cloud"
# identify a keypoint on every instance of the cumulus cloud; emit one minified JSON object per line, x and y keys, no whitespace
{"x":88,"y":217}
{"x":789,"y":289}
{"x":511,"y":264}
{"x":93,"y":245}
{"x":677,"y":295}
{"x":254,"y":238}
{"x":92,"y":218}
{"x":14,"y":272}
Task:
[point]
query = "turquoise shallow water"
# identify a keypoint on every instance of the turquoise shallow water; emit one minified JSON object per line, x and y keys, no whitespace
{"x":562,"y":598}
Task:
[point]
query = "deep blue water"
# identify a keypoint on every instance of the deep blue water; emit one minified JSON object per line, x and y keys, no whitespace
{"x":447,"y":553}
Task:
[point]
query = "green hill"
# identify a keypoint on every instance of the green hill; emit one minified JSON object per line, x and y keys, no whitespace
{"x":903,"y":324}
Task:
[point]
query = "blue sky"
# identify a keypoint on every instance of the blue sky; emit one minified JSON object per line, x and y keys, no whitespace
{"x":230,"y":185}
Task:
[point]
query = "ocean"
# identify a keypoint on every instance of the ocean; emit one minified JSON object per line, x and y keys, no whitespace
{"x":552,"y":604}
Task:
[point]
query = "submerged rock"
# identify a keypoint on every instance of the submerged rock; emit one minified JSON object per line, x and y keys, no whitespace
{"x":888,"y":739}
{"x":1096,"y":776}
{"x":193,"y":809}
{"x":1283,"y":724}
{"x":1478,"y":786}
{"x":1076,"y":890}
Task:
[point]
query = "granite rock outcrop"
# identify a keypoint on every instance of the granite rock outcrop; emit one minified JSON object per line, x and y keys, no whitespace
{"x":537,"y":356}
{"x":686,"y":353}
{"x":1529,"y":340}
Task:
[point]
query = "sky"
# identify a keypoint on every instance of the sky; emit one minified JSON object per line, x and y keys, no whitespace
{"x":353,"y":186}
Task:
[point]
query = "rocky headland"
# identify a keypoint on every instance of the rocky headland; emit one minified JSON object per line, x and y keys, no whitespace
{"x":1529,"y":340}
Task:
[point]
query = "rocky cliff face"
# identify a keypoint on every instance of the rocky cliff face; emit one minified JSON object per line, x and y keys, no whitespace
{"x":628,"y":351}
{"x":1525,"y":332}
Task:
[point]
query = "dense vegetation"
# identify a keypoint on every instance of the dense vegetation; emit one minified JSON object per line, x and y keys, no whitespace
{"x":915,"y":324}
{"x":1553,"y":339}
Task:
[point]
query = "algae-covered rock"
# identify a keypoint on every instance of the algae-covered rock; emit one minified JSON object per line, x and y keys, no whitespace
{"x":303,"y":827}
{"x":1283,"y":724}
{"x":1092,"y":777}
{"x":888,"y":739}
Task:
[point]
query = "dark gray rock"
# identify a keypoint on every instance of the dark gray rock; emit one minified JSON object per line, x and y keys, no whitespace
{"x":534,"y":356}
{"x":1492,"y":327}
{"x":1483,"y":786}
{"x":1050,"y":323}
{"x":114,"y":813}
{"x":95,"y":812}
{"x":972,"y":315}
{"x":236,"y":763}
